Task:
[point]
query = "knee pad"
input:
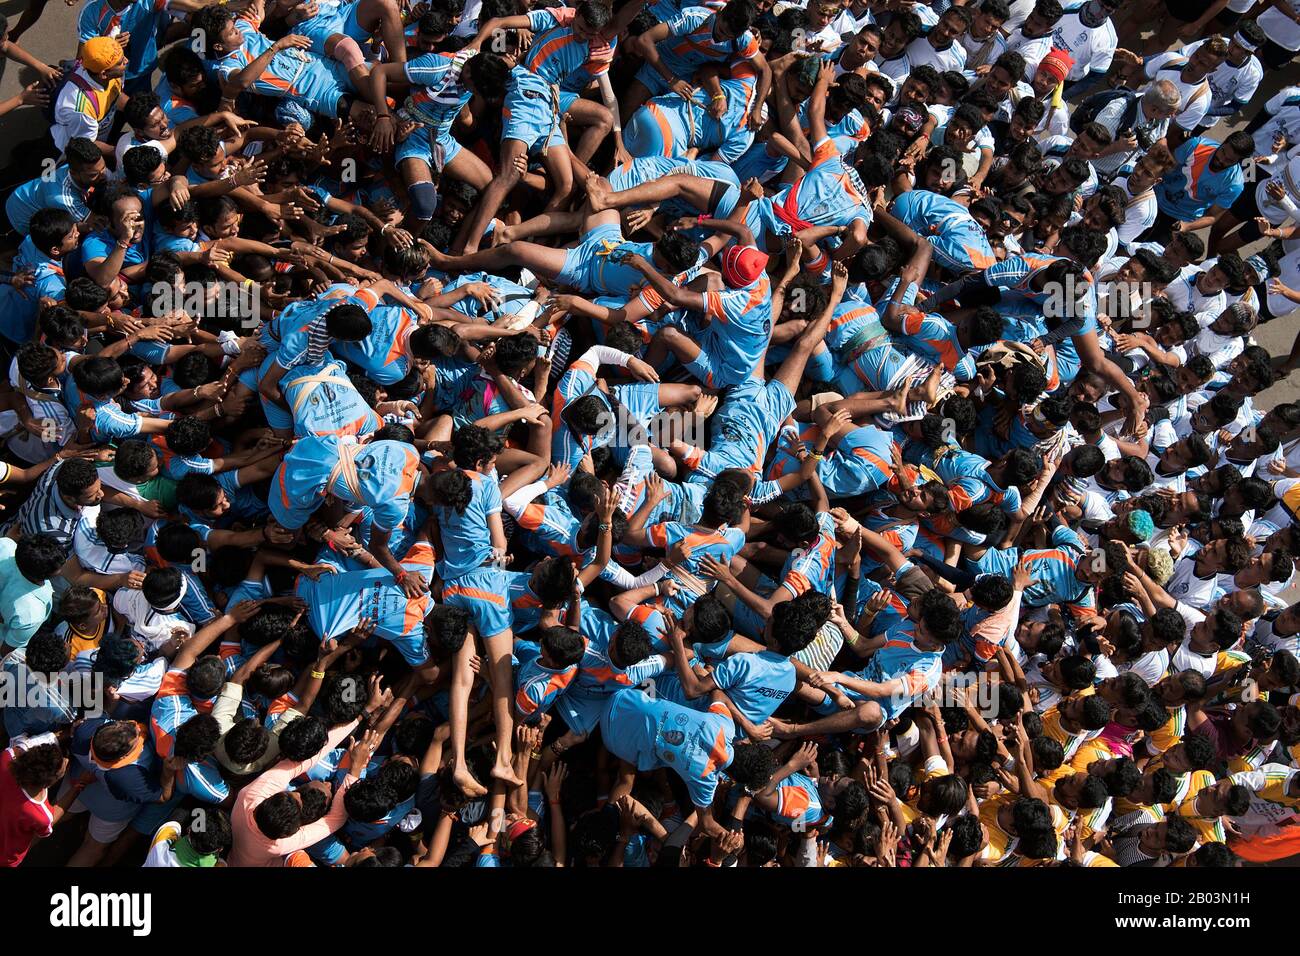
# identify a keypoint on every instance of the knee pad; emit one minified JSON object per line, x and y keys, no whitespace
{"x":348,"y":53}
{"x":424,"y":200}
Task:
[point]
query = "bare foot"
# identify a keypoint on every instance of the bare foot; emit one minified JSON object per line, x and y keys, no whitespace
{"x":598,"y":193}
{"x":901,"y":398}
{"x":439,"y":260}
{"x":462,"y":778}
{"x":505,"y":773}
{"x":706,"y":405}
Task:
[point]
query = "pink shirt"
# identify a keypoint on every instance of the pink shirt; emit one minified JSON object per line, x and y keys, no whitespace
{"x":254,"y":848}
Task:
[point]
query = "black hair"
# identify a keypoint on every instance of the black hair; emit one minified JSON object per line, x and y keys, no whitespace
{"x":445,"y":628}
{"x":246,"y":741}
{"x":197,"y":738}
{"x":303,"y":738}
{"x":473,"y":445}
{"x":47,"y":227}
{"x":39,"y":556}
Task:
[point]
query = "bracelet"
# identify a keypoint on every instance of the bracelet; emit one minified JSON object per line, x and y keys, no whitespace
{"x":400,"y":576}
{"x":604,"y":526}
{"x":708,"y":861}
{"x":719,"y":96}
{"x":535,"y":755}
{"x":556,"y":748}
{"x":317,"y":675}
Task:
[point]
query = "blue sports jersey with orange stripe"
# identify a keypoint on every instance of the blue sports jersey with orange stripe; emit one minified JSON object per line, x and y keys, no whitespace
{"x":652,"y":733}
{"x":830,"y":193}
{"x":537,"y":687}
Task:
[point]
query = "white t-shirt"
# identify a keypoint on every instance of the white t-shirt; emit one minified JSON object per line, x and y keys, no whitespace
{"x":919,"y":51}
{"x":1092,"y":48}
{"x":1194,"y":97}
{"x":1280,"y":28}
{"x":128,"y":141}
{"x":1231,"y":85}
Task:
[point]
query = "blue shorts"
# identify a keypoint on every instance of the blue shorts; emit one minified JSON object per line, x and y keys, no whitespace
{"x":582,"y":710}
{"x":320,"y":28}
{"x":320,"y":86}
{"x":353,"y":28}
{"x":412,"y":647}
{"x":482,"y":592}
{"x":415,"y":146}
{"x":588,"y":267}
{"x":655,"y":132}
{"x":754,"y":411}
{"x":704,"y":368}
{"x":529,"y":112}
{"x":649,"y":77}
{"x":641,"y":399}
{"x":880,"y":366}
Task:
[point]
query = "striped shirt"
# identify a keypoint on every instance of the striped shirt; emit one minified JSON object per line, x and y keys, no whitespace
{"x":46,"y":511}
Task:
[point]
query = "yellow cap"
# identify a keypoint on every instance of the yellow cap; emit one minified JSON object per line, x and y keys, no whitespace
{"x":100,"y":53}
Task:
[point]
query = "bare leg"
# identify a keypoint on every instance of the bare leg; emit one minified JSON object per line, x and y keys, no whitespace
{"x":596,"y":122}
{"x":544,"y":224}
{"x":559,"y":168}
{"x":541,"y":260}
{"x":694,"y":189}
{"x":670,"y":339}
{"x":498,"y":651}
{"x":90,"y":853}
{"x":468,"y":168}
{"x":684,"y":395}
{"x":462,"y":680}
{"x":867,"y":715}
{"x":471,"y":233}
{"x":384,"y":16}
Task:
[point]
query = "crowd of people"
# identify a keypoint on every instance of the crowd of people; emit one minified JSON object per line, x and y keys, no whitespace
{"x":651,"y":435}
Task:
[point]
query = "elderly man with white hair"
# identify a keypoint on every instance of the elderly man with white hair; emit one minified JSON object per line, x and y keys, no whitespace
{"x":1134,"y":124}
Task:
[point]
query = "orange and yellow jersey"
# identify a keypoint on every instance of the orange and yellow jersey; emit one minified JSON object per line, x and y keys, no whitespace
{"x":1162,"y":738}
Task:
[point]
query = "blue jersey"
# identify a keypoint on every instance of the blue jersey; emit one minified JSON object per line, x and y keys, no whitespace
{"x":829,"y":193}
{"x":467,"y":538}
{"x":901,"y":660}
{"x":381,"y":475}
{"x":652,"y":733}
{"x":58,"y":191}
{"x":537,"y":687}
{"x":756,"y":683}
{"x":382,"y":354}
{"x":1193,"y":185}
{"x":19,"y":308}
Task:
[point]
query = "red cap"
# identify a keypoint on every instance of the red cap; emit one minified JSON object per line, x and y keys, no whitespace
{"x":1057,"y":63}
{"x":741,"y":265}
